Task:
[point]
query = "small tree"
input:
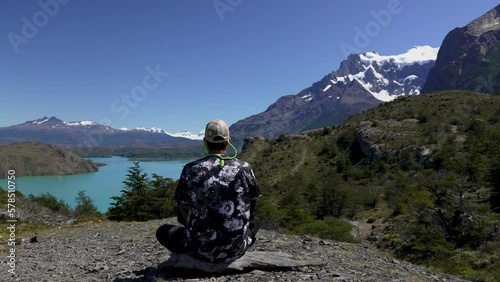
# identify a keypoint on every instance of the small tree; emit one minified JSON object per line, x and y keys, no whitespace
{"x":128,"y":205}
{"x":161,"y":196}
{"x":143,"y":199}
{"x":136,"y":181}
{"x":85,"y":206}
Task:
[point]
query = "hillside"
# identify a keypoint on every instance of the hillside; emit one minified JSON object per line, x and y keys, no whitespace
{"x":56,"y":246}
{"x":417,"y":176}
{"x":41,"y":159}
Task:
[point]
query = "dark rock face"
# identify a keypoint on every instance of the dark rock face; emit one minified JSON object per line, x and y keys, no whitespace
{"x":362,"y":82}
{"x":469,"y":57}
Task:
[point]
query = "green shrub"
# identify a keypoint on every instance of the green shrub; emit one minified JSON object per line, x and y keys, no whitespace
{"x":420,"y":244}
{"x":85,"y":207}
{"x":51,"y":202}
{"x":329,"y":228}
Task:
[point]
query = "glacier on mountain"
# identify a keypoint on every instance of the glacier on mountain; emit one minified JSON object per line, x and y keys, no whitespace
{"x":80,"y":123}
{"x":189,"y":135}
{"x":375,"y":72}
{"x":418,"y":54}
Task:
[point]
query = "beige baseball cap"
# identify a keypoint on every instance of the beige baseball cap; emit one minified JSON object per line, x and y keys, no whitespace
{"x":217,"y":131}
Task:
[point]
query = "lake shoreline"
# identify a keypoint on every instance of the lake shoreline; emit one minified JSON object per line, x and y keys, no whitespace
{"x":100,"y":186}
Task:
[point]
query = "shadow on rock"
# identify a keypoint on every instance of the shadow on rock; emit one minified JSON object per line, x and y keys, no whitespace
{"x":151,"y":274}
{"x":186,"y":267}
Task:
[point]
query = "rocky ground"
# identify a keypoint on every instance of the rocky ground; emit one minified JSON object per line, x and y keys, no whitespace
{"x":111,"y":251}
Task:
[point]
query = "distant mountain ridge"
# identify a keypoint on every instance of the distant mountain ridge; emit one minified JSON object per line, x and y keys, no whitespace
{"x":183,"y":133}
{"x":362,"y":81}
{"x":51,"y":130}
{"x":54,"y":122}
{"x":469,"y":57}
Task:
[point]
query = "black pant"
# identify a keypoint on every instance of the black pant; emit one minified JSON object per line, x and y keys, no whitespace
{"x":172,"y":236}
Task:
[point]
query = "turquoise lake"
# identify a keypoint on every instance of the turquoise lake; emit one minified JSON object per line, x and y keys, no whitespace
{"x":100,"y":185}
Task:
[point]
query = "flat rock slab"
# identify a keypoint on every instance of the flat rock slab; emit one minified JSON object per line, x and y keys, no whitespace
{"x":251,"y":260}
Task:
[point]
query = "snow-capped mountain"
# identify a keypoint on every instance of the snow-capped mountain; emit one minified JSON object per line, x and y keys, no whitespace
{"x":387,"y":77}
{"x":189,"y":135}
{"x":151,"y":130}
{"x":54,"y":123}
{"x":88,"y":133}
{"x":362,"y":81}
{"x":182,"y":133}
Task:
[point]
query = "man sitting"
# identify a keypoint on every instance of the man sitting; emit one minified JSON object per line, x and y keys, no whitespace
{"x":216,"y":198}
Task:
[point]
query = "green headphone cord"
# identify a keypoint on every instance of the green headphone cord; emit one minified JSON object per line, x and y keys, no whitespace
{"x":219,"y":156}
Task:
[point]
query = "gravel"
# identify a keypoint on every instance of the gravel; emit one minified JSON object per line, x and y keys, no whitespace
{"x":124,"y":251}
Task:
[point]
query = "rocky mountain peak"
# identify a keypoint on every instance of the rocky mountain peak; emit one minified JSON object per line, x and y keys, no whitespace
{"x":386,"y":77}
{"x":349,"y":65}
{"x":45,"y":120}
{"x":487,"y":22}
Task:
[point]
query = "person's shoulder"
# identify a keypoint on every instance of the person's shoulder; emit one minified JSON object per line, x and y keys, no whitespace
{"x":242,"y":163}
{"x":198,"y":162}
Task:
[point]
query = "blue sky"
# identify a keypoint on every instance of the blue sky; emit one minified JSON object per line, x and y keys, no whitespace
{"x":176,"y":64}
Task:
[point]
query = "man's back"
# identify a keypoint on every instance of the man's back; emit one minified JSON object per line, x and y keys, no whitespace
{"x":215,"y":202}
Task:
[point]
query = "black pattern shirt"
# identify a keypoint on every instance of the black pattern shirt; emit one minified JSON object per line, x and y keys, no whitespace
{"x":215,"y":203}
